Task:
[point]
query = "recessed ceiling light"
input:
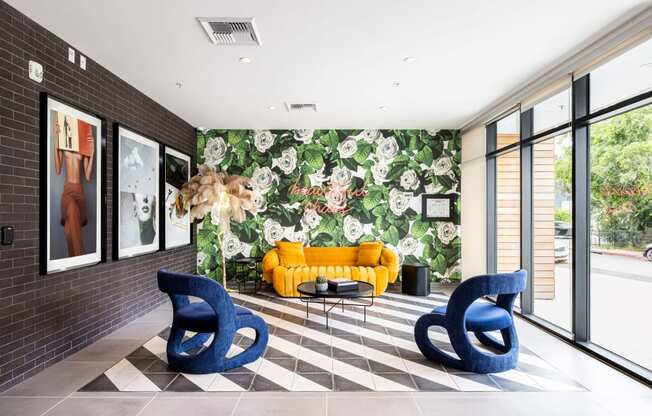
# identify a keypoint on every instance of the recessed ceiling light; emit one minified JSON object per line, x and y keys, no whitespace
{"x":382,"y":108}
{"x":246,"y":60}
{"x":271,"y":107}
{"x":396,"y":84}
{"x":178,"y":84}
{"x":409,"y":59}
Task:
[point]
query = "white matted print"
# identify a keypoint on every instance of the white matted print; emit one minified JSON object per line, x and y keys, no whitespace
{"x":138,"y":194}
{"x":73,"y":191}
{"x":175,"y":217}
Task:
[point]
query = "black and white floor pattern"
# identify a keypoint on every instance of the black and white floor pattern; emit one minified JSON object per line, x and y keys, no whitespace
{"x":302,"y":355}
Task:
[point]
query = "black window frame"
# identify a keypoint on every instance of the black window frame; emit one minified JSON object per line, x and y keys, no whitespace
{"x":579,"y":126}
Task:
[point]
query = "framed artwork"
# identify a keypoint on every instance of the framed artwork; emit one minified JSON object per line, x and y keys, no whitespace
{"x":72,"y":186}
{"x":175,"y":220}
{"x":438,"y":207}
{"x":136,"y":193}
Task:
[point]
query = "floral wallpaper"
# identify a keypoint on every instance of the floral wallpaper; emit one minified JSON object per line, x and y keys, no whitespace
{"x":337,"y":188}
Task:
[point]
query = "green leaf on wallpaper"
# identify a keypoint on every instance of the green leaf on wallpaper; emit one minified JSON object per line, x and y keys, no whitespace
{"x":312,"y":155}
{"x":379,"y":211}
{"x":372,"y":199}
{"x":425,"y":156}
{"x":235,"y":137}
{"x":419,"y":228}
{"x":366,"y":238}
{"x":363,"y":152}
{"x":390,"y":235}
{"x":330,"y":139}
{"x":439,"y":264}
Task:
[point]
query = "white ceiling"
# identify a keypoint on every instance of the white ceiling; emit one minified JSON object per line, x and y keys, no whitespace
{"x":342,"y":54}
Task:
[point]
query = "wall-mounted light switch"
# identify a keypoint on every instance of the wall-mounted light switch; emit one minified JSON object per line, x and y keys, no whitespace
{"x":7,"y":232}
{"x":71,"y":55}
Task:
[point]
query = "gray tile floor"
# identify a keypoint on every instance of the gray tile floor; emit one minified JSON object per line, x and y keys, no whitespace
{"x":54,"y":391}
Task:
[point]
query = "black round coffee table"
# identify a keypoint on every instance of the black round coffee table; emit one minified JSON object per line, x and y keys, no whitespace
{"x":363,"y":296}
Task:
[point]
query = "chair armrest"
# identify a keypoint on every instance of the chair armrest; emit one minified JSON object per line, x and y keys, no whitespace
{"x":389,"y":259}
{"x":270,"y":262}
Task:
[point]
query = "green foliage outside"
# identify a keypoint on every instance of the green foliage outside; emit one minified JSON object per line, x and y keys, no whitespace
{"x":621,"y":178}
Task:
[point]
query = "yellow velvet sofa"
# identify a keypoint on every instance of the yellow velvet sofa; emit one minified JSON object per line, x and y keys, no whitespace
{"x":332,"y":262}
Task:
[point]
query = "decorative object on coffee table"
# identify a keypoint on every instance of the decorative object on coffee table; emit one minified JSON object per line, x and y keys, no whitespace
{"x":342,"y":285}
{"x":363,"y":297}
{"x":321,"y":284}
{"x":223,"y":196}
{"x":415,"y":279}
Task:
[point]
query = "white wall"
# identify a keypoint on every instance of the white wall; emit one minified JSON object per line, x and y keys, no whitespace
{"x":474,"y":253}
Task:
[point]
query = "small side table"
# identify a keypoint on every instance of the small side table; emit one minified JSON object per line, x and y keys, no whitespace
{"x":415,"y":279}
{"x":247,"y":270}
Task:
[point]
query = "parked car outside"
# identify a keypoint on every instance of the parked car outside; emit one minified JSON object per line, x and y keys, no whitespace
{"x":563,"y":237}
{"x":648,"y":252}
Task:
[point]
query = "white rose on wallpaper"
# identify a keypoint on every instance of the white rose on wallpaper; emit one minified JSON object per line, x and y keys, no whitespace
{"x":379,"y":172}
{"x":231,"y":245}
{"x":446,"y":232}
{"x":341,"y":177}
{"x":352,"y":229}
{"x":310,"y":219}
{"x":442,"y":166}
{"x":259,"y":201}
{"x":409,"y":180}
{"x":272,"y":231}
{"x":214,"y":152}
{"x":287,"y":162}
{"x":263,"y":140}
{"x":387,"y":149}
{"x":347,"y":148}
{"x":262,"y":179}
{"x":303,"y":135}
{"x":318,"y":178}
{"x":336,"y":198}
{"x":399,"y":201}
{"x":297,"y":236}
{"x":408,"y":245}
{"x":370,"y":136}
{"x":432,"y":132}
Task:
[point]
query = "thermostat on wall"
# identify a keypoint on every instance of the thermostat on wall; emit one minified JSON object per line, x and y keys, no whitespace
{"x":35,"y":71}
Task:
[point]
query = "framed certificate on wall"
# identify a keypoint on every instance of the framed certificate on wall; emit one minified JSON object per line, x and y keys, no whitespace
{"x":438,"y":207}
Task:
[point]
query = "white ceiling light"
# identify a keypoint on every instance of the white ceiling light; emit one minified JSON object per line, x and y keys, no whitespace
{"x":409,"y":59}
{"x":382,"y":108}
{"x":246,"y":60}
{"x":396,"y":84}
{"x":271,"y":107}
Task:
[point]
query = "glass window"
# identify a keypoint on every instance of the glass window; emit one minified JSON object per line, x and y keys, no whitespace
{"x":552,"y":111}
{"x":621,"y":234}
{"x":623,"y":77}
{"x":508,"y":211}
{"x":552,"y":230}
{"x":508,"y":130}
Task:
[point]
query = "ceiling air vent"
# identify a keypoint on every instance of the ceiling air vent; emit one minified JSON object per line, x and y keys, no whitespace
{"x":301,"y":107}
{"x":229,"y":31}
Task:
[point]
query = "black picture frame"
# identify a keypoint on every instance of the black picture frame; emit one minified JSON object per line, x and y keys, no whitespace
{"x":44,"y":189}
{"x":116,"y":255}
{"x":162,"y":181}
{"x":452,"y":211}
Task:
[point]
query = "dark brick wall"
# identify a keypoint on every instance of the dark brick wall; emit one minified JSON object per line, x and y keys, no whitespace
{"x":46,"y":318}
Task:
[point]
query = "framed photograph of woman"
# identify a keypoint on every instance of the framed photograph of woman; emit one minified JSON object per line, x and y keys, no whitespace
{"x":175,"y":220}
{"x":72,"y":187}
{"x":136,"y":193}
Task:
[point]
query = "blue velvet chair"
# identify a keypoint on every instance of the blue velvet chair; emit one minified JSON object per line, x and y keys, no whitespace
{"x":465,"y":313}
{"x":216,"y":315}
